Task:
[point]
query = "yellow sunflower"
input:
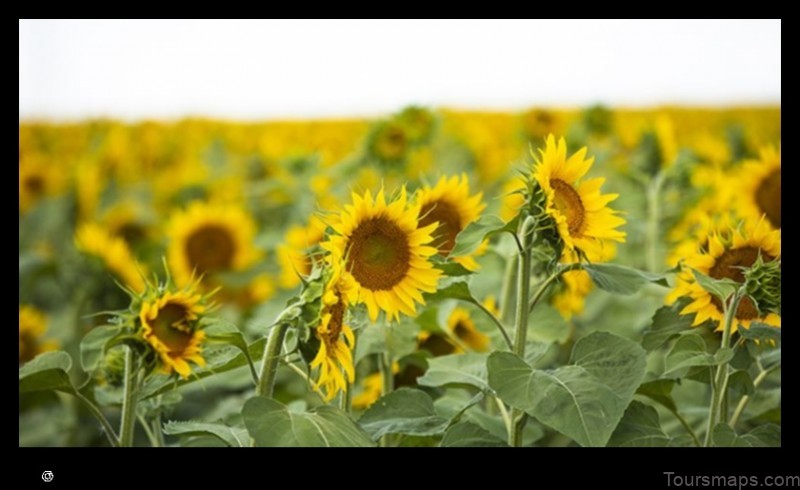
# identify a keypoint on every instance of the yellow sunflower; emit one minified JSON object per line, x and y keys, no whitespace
{"x":32,"y":326}
{"x":127,"y":220}
{"x":449,"y":204}
{"x":207,"y":238}
{"x":723,"y":258}
{"x":580,"y":211}
{"x":169,"y":325}
{"x":382,"y":248}
{"x":371,"y":391}
{"x":576,"y":285}
{"x":760,"y":188}
{"x":293,"y":254}
{"x":462,"y":335}
{"x":38,"y":178}
{"x":336,"y":341}
{"x":95,"y":240}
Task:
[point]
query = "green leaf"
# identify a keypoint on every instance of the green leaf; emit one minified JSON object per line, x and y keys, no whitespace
{"x":659,"y":390}
{"x":584,"y":403}
{"x":451,"y":269}
{"x":467,"y":434}
{"x":639,"y":427}
{"x":621,"y":279}
{"x":404,"y":411}
{"x":456,"y":369}
{"x":767,"y":435}
{"x":689,"y":350}
{"x":721,"y":288}
{"x":667,"y":323}
{"x":740,"y":383}
{"x":47,"y":371}
{"x":457,"y":290}
{"x":228,"y":333}
{"x":93,"y":345}
{"x":476,"y":232}
{"x":232,"y":436}
{"x":271,"y":424}
{"x":761,"y":332}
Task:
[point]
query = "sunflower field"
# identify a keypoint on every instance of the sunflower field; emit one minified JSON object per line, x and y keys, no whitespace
{"x":435,"y":277}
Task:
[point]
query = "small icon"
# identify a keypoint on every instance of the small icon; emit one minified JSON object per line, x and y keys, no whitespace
{"x":47,"y":476}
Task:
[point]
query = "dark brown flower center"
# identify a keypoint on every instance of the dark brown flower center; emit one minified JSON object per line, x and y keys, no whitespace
{"x":378,"y":254}
{"x":335,"y":325}
{"x":131,"y":233}
{"x":210,"y":249}
{"x":449,"y":224}
{"x":569,"y":204}
{"x":730,"y":265}
{"x":171,"y":327}
{"x":768,"y":197}
{"x":437,"y":345}
{"x":27,"y":347}
{"x":392,"y":143}
{"x":35,"y":184}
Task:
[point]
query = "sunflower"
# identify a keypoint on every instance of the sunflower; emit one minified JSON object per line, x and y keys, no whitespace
{"x":381,"y":247}
{"x":449,"y":204}
{"x":169,"y":325}
{"x":206,"y":238}
{"x":580,"y":211}
{"x":38,"y":179}
{"x":336,"y":341}
{"x":724,"y":257}
{"x":95,"y":240}
{"x":32,"y":326}
{"x":371,"y":391}
{"x":760,"y":188}
{"x":461,"y":335}
{"x":293,"y":254}
{"x":127,"y":220}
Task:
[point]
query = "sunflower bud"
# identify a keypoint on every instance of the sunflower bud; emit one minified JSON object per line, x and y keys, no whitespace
{"x":112,"y":370}
{"x":763,"y":284}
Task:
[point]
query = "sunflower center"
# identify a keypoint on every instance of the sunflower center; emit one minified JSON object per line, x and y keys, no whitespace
{"x":378,"y":254}
{"x":437,"y":345}
{"x":449,"y":224}
{"x":392,"y":143}
{"x":730,"y":265}
{"x":35,"y":184}
{"x":131,"y":233}
{"x":210,"y":249}
{"x":335,"y":324}
{"x":768,"y":197}
{"x":171,"y":327}
{"x":461,"y":331}
{"x":569,"y":204}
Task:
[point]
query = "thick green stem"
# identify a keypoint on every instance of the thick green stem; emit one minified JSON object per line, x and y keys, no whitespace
{"x":112,"y":437}
{"x":653,"y":221}
{"x":507,"y":291}
{"x":387,"y":376}
{"x":719,"y":385}
{"x":518,"y":417}
{"x":129,"y":399}
{"x":269,"y":362}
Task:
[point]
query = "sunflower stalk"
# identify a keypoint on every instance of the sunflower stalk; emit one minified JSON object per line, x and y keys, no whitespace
{"x":653,"y":221}
{"x":719,"y":385}
{"x":387,"y":376}
{"x":269,"y":362}
{"x":129,"y":398}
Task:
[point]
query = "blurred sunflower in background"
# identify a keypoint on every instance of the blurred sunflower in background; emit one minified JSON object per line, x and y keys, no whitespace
{"x":759,"y":189}
{"x":205,"y":239}
{"x":293,"y":254}
{"x":380,"y":246}
{"x":32,"y":327}
{"x":39,"y":178}
{"x":95,"y":240}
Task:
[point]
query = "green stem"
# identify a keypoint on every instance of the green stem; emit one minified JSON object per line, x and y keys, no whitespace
{"x":507,"y":291}
{"x":112,"y":437}
{"x":686,"y":426}
{"x":387,"y":376}
{"x":129,"y":399}
{"x":269,"y":363}
{"x":497,"y":323}
{"x":305,"y":378}
{"x":547,"y":282}
{"x":504,"y":414}
{"x":737,"y":413}
{"x":148,"y":432}
{"x":518,"y":417}
{"x":653,"y":221}
{"x":719,"y":384}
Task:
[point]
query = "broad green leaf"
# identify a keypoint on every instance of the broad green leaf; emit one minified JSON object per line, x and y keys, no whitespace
{"x":721,"y":288}
{"x":620,"y":279}
{"x":689,"y":351}
{"x":451,"y":269}
{"x":484,"y":227}
{"x":227,"y":361}
{"x":467,"y":434}
{"x":584,"y":401}
{"x":404,"y":411}
{"x":271,"y":424}
{"x":47,"y":371}
{"x":232,"y":436}
{"x":456,"y":369}
{"x":639,"y":427}
{"x":740,"y":383}
{"x":761,"y":332}
{"x":767,"y":435}
{"x":659,"y":390}
{"x":93,"y":345}
{"x":457,"y":290}
{"x":228,"y":333}
{"x":667,"y":323}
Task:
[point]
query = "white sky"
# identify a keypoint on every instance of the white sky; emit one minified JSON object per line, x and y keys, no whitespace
{"x":268,"y":69}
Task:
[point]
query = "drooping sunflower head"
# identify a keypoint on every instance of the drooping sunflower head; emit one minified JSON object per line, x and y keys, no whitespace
{"x":580,"y":211}
{"x":728,"y":257}
{"x":382,"y":248}
{"x":96,"y":240}
{"x":206,"y":238}
{"x":169,"y":324}
{"x":32,"y":326}
{"x":449,"y":204}
{"x":759,"y":186}
{"x":334,"y":359}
